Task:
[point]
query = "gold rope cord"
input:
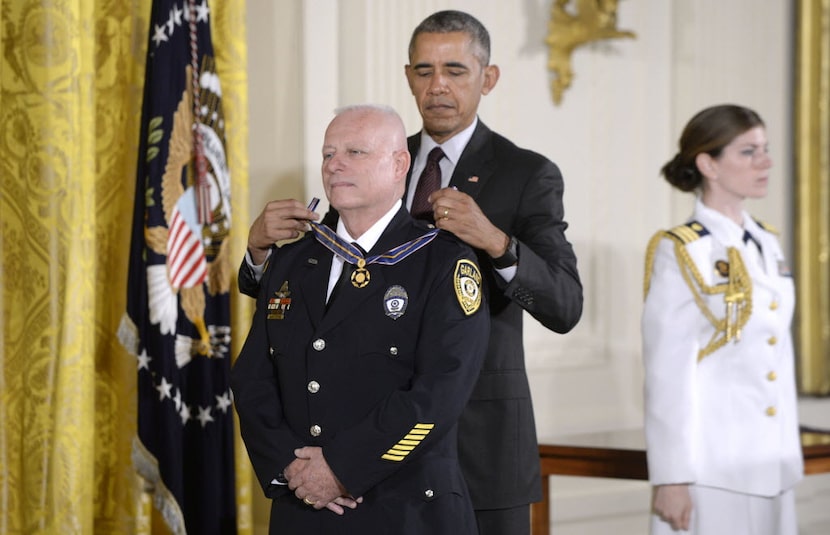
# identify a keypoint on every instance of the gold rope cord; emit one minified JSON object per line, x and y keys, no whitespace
{"x":737,"y":292}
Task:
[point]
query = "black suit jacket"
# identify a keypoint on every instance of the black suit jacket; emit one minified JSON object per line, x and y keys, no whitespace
{"x":365,"y":381}
{"x":520,"y":191}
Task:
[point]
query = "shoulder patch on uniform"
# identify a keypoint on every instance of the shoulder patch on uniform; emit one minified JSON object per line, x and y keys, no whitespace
{"x":688,"y":232}
{"x":467,"y":284}
{"x":766,"y":226}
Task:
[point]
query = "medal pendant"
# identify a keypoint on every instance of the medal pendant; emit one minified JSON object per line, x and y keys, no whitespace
{"x":360,"y":276}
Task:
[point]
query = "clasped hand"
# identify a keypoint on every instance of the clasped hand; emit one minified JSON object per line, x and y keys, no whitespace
{"x":313,"y":481}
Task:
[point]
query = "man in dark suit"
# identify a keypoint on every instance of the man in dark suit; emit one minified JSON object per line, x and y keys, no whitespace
{"x":505,"y":202}
{"x":351,"y":382}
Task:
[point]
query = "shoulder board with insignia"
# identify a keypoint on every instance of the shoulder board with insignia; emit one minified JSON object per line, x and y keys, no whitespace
{"x":688,"y":232}
{"x":766,"y":226}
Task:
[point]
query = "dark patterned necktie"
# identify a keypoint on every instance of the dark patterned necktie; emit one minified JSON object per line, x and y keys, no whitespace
{"x":429,"y":181}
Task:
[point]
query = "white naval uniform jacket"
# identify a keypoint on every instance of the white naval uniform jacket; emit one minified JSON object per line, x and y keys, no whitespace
{"x":729,"y":420}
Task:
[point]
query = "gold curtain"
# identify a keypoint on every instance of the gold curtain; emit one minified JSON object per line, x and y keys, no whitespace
{"x":812,"y":195}
{"x":229,"y":44}
{"x":71,"y":80}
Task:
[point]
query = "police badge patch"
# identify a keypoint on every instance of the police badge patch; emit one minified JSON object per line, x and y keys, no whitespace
{"x":394,"y":301}
{"x":467,"y":283}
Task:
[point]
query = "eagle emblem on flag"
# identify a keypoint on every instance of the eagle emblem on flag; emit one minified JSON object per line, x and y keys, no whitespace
{"x":196,"y":253}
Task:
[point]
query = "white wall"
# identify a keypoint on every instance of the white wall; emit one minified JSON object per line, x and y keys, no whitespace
{"x":616,"y":126}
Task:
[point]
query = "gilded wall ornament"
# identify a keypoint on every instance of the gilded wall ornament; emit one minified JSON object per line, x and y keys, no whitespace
{"x":591,"y":20}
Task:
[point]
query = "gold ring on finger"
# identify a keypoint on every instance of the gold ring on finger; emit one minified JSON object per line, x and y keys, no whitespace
{"x":308,"y":502}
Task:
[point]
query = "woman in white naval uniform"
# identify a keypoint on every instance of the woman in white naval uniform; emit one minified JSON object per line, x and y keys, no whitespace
{"x":720,"y":401}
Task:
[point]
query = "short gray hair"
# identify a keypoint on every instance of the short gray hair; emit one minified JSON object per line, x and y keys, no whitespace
{"x":380,"y":108}
{"x":456,"y":21}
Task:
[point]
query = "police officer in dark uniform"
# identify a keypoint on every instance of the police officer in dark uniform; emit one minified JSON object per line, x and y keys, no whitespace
{"x":351,"y":382}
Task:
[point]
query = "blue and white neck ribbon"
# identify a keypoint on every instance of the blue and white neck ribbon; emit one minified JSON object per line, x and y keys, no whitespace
{"x":352,"y":255}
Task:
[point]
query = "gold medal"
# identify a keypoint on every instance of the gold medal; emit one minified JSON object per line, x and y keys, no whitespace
{"x":360,"y":276}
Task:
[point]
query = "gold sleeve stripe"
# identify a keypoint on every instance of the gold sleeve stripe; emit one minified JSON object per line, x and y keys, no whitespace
{"x":737,"y":292}
{"x":408,"y":443}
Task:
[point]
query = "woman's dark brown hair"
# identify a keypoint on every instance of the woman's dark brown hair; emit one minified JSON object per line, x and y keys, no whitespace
{"x":709,"y":131}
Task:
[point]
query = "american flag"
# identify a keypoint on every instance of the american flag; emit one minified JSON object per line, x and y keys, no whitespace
{"x":177,"y":322}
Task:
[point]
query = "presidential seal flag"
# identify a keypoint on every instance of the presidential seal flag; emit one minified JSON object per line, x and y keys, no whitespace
{"x":177,"y":322}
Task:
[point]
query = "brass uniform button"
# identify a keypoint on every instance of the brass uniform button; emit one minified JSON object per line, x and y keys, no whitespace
{"x":771,"y":411}
{"x":772,"y":340}
{"x":773,"y":305}
{"x":772,"y":376}
{"x":319,"y":344}
{"x":313,"y":387}
{"x":315,"y":430}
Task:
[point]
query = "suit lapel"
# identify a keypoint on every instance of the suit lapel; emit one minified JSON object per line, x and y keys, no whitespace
{"x":474,"y":167}
{"x":769,"y":273}
{"x":414,"y":143}
{"x":315,"y":283}
{"x":350,"y":299}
